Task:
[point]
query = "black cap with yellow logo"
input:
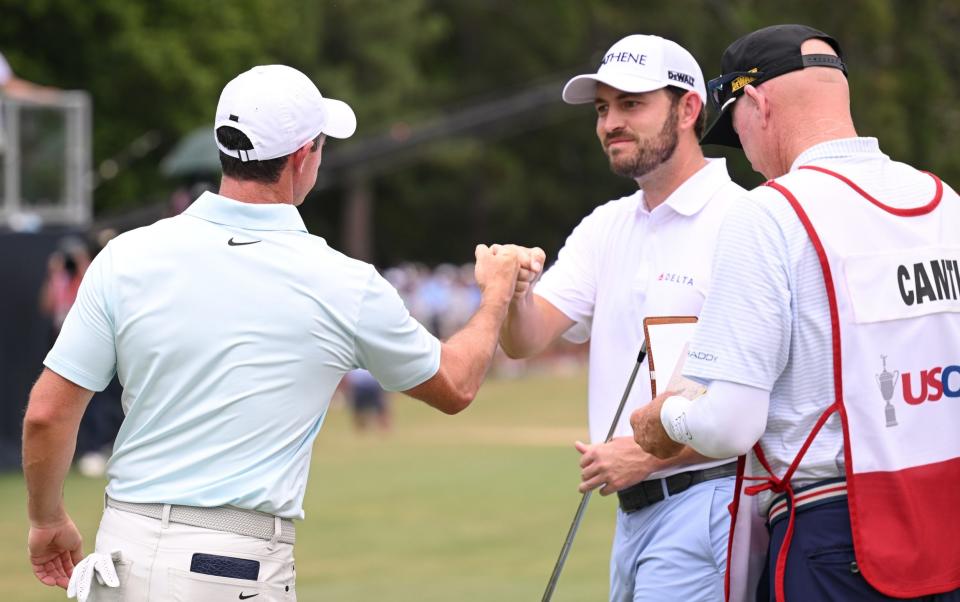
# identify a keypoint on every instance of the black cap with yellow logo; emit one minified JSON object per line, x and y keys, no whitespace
{"x":756,"y":58}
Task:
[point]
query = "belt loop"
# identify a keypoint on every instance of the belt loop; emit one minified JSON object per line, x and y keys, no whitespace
{"x":165,"y":517}
{"x":666,"y":490}
{"x":276,"y":533}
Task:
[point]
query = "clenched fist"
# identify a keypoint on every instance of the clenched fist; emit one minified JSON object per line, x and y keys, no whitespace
{"x":496,"y":272}
{"x":531,"y":267}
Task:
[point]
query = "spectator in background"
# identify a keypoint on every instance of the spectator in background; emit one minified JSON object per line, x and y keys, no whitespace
{"x":368,"y":401}
{"x":434,"y":297}
{"x":464,"y":298}
{"x":65,"y":269}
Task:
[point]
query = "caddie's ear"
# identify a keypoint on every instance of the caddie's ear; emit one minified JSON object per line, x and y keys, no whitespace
{"x":757,"y":104}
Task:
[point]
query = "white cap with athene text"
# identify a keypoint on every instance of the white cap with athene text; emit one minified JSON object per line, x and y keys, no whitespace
{"x":640,"y":63}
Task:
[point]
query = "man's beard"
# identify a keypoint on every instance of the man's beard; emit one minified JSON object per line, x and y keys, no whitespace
{"x":651,"y":153}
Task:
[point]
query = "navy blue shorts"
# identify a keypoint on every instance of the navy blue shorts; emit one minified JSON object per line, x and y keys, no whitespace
{"x":821,"y":566}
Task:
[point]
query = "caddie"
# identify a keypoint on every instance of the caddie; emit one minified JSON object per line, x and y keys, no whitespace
{"x":829,"y":342}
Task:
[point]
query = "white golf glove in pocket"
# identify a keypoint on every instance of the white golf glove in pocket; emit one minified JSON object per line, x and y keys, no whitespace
{"x":96,"y":565}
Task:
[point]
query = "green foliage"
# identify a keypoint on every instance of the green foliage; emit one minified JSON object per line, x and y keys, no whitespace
{"x":148,"y":65}
{"x":160,"y":66}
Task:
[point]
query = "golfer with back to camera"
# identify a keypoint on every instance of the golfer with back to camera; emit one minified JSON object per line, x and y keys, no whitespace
{"x":646,"y":254}
{"x":230,"y":327}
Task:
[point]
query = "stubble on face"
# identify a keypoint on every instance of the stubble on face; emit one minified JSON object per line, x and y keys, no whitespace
{"x":650,"y":153}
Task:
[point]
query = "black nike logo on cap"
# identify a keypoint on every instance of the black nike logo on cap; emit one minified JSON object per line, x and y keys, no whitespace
{"x":233,"y":243}
{"x":242,"y":597}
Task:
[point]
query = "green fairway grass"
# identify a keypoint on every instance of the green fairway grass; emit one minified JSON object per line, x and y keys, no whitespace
{"x":472,"y":507}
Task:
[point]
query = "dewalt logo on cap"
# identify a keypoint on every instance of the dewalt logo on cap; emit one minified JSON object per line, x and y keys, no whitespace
{"x":742,"y":81}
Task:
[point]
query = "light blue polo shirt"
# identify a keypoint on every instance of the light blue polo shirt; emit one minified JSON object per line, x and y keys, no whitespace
{"x":229,"y":327}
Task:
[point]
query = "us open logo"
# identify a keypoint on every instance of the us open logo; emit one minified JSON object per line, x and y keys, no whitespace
{"x":934,"y":384}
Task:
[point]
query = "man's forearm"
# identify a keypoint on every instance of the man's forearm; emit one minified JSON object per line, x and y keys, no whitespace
{"x":49,"y":440}
{"x":687,"y":457}
{"x":621,"y":463}
{"x":471,"y":350}
{"x":21,"y":89}
{"x":647,"y":464}
{"x":530,"y":326}
{"x":47,"y":454}
{"x":464,"y":360}
{"x":466,"y":357}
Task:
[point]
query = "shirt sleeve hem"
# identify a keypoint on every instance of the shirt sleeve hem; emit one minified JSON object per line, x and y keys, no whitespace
{"x":571,"y":333}
{"x":76,"y":375}
{"x":421,"y":378}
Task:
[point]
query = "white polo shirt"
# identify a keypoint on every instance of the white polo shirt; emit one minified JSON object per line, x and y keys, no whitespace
{"x":623,"y":263}
{"x":229,"y":327}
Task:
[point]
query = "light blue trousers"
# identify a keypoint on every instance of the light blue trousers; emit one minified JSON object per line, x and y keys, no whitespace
{"x":675,"y":549}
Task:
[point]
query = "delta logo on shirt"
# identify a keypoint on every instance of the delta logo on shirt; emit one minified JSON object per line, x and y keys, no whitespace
{"x":675,"y":277}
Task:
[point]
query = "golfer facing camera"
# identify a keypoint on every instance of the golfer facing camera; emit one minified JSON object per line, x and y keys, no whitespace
{"x":646,"y":254}
{"x":230,"y":327}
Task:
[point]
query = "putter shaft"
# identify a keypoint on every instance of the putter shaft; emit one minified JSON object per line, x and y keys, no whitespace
{"x":581,"y":509}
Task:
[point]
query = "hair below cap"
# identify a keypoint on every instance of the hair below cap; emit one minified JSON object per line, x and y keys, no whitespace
{"x":279,"y":109}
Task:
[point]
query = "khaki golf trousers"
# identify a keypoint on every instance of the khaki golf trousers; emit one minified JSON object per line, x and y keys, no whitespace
{"x":157,"y":557}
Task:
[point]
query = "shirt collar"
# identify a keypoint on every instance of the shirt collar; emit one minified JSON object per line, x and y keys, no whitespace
{"x":842,"y":148}
{"x":251,"y":216}
{"x":691,"y":196}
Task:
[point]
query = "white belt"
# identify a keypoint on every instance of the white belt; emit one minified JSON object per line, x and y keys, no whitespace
{"x":222,"y":518}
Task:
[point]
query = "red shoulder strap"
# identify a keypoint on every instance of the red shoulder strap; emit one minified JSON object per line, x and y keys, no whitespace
{"x":912,"y":212}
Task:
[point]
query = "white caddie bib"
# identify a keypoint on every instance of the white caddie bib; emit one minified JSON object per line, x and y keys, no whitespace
{"x":893,"y":283}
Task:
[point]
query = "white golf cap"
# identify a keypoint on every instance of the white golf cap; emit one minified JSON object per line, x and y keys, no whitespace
{"x":639,"y":63}
{"x":279,"y":109}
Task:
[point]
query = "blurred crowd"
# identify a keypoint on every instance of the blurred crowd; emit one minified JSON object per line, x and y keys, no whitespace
{"x":442,"y":299}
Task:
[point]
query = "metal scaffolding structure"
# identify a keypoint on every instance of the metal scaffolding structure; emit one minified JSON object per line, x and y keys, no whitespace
{"x":45,"y":162}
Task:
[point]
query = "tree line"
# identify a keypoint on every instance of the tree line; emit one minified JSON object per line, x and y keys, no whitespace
{"x":160,"y":65}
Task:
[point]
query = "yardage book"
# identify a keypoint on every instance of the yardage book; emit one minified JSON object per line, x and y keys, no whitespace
{"x":667,"y":340}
